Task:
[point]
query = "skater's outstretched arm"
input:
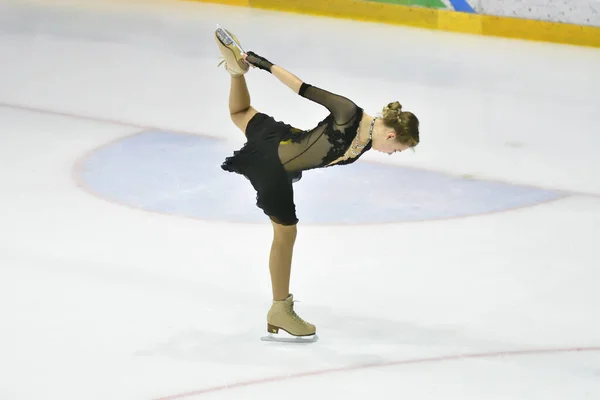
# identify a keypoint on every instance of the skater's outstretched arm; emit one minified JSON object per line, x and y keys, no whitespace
{"x":286,"y":77}
{"x":342,"y":109}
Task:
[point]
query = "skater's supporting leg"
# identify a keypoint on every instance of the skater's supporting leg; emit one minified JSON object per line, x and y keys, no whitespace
{"x":239,"y":103}
{"x":280,"y":260}
{"x":282,"y":314}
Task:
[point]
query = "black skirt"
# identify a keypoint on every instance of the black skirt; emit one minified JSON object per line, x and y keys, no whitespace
{"x":258,"y":160}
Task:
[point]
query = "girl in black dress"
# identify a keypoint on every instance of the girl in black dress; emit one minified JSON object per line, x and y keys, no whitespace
{"x":275,"y":155}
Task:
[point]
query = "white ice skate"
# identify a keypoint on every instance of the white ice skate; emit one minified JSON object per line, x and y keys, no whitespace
{"x":232,"y":52}
{"x":282,"y":317}
{"x":227,"y":39}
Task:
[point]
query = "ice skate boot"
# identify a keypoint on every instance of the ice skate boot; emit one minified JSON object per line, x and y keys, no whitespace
{"x":282,"y":316}
{"x":232,"y":52}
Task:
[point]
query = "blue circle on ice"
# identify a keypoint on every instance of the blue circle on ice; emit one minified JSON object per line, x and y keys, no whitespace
{"x":181,"y":174}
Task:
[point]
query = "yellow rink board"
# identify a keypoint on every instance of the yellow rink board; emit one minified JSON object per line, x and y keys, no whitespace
{"x":429,"y":18}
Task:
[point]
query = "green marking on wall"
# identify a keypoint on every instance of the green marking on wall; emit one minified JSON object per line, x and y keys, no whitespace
{"x":420,"y":3}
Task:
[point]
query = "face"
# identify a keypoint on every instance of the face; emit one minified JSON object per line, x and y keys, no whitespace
{"x":390,"y":145}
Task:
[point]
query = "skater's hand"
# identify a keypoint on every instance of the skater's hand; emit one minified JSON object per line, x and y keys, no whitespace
{"x":257,"y":61}
{"x":245,"y":57}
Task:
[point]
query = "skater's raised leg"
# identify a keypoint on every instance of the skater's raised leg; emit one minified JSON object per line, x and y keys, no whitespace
{"x":239,"y":98}
{"x":239,"y":103}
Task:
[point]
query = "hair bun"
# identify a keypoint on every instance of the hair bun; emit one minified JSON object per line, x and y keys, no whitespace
{"x":392,"y":110}
{"x":404,"y":123}
{"x":396,"y":106}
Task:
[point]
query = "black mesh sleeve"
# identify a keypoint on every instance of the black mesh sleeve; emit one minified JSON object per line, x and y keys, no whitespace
{"x":341,"y":108}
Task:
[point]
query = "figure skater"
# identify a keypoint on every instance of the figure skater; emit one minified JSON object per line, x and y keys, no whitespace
{"x":275,"y":155}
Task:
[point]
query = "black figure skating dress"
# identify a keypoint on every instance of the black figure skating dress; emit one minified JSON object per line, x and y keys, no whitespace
{"x":276,"y":153}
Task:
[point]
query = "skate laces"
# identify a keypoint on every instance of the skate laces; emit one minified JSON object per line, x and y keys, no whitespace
{"x":295,"y":316}
{"x":224,"y":61}
{"x":227,"y":68}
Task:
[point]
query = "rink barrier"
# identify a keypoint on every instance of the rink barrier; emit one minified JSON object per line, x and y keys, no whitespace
{"x":429,"y":18}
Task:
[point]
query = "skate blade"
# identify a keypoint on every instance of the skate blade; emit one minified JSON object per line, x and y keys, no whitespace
{"x":289,"y":338}
{"x":226,"y":39}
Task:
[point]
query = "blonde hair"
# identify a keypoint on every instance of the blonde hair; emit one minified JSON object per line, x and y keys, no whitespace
{"x":404,"y":123}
